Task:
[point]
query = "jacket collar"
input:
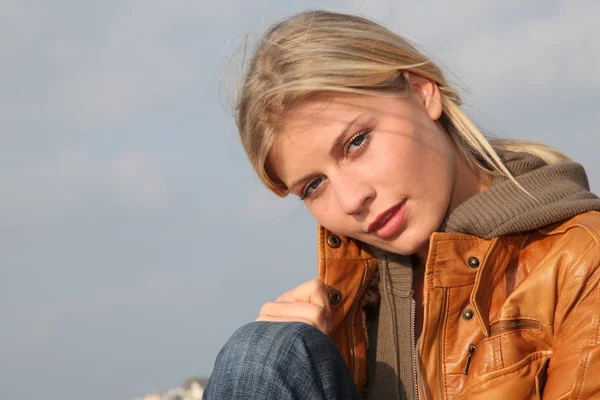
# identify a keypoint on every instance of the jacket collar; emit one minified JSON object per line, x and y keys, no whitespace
{"x":349,"y":265}
{"x":345,"y":265}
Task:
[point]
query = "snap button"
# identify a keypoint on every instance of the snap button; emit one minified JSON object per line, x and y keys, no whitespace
{"x":473,"y":262}
{"x":334,"y":241}
{"x":335,"y":297}
{"x":467,"y":314}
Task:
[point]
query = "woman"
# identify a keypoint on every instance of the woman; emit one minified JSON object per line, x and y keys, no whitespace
{"x":450,"y":265}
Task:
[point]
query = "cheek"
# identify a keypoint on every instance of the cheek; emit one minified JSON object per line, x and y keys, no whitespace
{"x":434,"y":163}
{"x":404,"y":168}
{"x":326,"y":212}
{"x":434,"y":186}
{"x":323,"y":212}
{"x":425,"y":174}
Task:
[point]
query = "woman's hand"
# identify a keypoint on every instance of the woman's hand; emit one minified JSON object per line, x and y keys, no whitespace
{"x":307,"y":303}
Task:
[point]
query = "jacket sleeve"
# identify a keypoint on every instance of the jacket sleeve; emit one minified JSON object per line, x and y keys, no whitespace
{"x":574,"y":368}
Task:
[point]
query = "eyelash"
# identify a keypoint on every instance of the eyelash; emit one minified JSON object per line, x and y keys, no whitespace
{"x":365,"y":134}
{"x":360,"y":149}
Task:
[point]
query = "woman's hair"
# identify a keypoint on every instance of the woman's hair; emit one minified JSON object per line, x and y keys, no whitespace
{"x":319,"y":51}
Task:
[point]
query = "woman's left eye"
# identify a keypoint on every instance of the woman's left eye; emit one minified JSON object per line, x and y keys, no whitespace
{"x":356,"y":142}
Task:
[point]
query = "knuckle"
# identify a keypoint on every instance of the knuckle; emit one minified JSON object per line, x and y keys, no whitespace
{"x":311,"y":285}
{"x":318,"y":288}
{"x":319,"y":285}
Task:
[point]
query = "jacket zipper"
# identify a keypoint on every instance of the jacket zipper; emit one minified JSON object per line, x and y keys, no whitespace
{"x":508,"y":325}
{"x":470,"y":353}
{"x":439,"y":343}
{"x":349,"y":326}
{"x":414,"y":347}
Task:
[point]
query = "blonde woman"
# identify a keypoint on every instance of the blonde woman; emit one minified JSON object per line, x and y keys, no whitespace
{"x":450,"y":265}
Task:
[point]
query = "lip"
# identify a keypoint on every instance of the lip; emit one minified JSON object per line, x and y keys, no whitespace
{"x":389,"y":222}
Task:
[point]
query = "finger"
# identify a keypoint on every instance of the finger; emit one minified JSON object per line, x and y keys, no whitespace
{"x":313,"y":291}
{"x":300,"y":309}
{"x":307,"y":311}
{"x":304,"y":291}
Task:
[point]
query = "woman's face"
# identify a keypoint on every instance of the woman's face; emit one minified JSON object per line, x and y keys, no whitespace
{"x":377,"y":169}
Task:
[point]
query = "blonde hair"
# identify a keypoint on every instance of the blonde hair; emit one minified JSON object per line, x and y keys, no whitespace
{"x":318,"y":51}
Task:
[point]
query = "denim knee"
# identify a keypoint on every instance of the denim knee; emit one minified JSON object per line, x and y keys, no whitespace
{"x":261,"y":353}
{"x":282,"y":360}
{"x":270,"y":337}
{"x":257,"y":332}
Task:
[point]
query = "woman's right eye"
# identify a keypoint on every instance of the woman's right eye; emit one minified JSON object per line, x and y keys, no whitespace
{"x":311,"y":187}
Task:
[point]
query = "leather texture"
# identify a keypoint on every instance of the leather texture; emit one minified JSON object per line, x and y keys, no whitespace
{"x":535,"y":301}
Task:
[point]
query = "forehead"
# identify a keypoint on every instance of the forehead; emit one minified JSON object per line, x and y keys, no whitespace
{"x":311,"y":127}
{"x":322,"y":110}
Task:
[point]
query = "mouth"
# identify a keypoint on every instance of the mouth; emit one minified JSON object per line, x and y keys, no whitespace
{"x":389,"y":222}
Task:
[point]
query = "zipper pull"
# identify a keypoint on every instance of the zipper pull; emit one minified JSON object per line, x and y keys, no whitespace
{"x":471,"y":351}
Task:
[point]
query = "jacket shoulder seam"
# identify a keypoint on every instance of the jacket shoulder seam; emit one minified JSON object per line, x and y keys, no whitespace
{"x":583,"y":223}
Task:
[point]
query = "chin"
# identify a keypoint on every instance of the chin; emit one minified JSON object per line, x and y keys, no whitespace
{"x":405,"y":249}
{"x":408,"y":242}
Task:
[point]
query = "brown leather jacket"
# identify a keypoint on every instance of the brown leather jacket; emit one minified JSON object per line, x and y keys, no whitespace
{"x":512,"y":317}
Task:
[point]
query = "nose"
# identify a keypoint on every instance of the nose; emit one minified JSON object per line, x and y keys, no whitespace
{"x":353,"y":194}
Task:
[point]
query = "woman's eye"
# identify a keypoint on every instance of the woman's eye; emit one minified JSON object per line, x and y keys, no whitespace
{"x":356,"y":142}
{"x":311,"y":187}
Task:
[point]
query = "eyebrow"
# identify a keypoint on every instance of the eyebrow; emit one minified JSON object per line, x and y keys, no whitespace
{"x":337,"y":142}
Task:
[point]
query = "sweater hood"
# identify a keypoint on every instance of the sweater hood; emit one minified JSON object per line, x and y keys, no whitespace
{"x":556,"y":192}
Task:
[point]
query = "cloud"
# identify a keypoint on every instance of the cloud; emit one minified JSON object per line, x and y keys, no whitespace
{"x":547,"y":46}
{"x":113,"y":62}
{"x":125,"y":72}
{"x":557,"y":50}
{"x":39,"y":324}
{"x":67,"y":181}
{"x":22,"y":22}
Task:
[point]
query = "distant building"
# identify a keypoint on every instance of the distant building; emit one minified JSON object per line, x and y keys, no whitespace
{"x":190,"y":390}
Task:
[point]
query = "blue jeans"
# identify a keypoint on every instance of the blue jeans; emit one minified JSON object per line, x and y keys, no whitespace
{"x":282,"y":361}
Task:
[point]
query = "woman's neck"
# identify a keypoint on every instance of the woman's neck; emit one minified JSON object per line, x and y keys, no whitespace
{"x":468,"y":182}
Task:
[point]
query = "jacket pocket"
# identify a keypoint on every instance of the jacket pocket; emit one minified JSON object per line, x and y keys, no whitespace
{"x":522,"y":380}
{"x":500,"y":327}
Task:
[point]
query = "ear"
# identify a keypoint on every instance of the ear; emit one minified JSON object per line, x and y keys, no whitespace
{"x":427,"y":93}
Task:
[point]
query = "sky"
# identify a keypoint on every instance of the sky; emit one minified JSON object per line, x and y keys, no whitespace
{"x":134,"y":236}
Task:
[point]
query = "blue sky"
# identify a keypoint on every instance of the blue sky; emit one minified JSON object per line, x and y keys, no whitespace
{"x":134,"y":236}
